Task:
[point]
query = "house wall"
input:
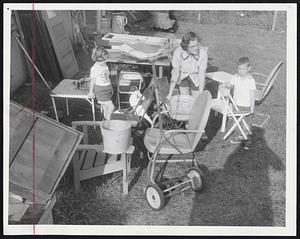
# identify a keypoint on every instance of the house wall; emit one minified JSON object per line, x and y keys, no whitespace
{"x":18,"y":69}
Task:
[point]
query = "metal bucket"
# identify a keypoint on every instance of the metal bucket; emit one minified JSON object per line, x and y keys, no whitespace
{"x":116,"y":136}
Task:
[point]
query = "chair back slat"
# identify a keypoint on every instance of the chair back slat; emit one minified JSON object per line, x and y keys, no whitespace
{"x":199,"y":116}
{"x":269,"y":82}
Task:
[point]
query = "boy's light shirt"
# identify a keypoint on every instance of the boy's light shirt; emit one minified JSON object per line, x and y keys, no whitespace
{"x":242,"y":89}
{"x":101,"y":74}
{"x":190,"y":65}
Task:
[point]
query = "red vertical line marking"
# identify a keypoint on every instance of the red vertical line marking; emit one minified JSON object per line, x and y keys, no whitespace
{"x":33,"y":108}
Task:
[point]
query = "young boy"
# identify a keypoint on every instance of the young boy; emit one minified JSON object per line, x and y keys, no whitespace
{"x":244,"y":89}
{"x":100,"y":86}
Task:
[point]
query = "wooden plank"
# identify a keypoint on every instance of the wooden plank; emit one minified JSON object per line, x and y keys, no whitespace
{"x":57,"y":162}
{"x":22,"y":39}
{"x":39,"y":197}
{"x":82,"y":157}
{"x":113,"y":158}
{"x":98,"y":21}
{"x":25,"y":156}
{"x":53,"y":137}
{"x":22,"y":173}
{"x":125,"y":174}
{"x":20,"y":125}
{"x":101,"y":159}
{"x":61,"y":126}
{"x":46,"y":217}
{"x":89,"y":159}
{"x":16,"y":208}
{"x":61,"y":43}
{"x":56,"y":74}
{"x":101,"y":170}
{"x":47,"y":139}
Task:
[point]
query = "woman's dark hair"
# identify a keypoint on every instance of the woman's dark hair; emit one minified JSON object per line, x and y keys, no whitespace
{"x":187,"y":38}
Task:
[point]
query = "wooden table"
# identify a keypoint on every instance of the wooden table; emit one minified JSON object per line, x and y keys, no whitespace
{"x":116,"y":56}
{"x":67,"y":89}
{"x":221,"y":77}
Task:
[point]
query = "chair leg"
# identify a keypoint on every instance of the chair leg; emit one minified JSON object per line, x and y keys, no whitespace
{"x":246,"y":126}
{"x":223,"y":123}
{"x":76,"y":170}
{"x":236,"y":124}
{"x":240,"y":128}
{"x":267,"y":117}
{"x":125,"y":174}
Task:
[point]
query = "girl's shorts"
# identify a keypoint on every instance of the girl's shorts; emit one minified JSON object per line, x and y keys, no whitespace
{"x":103,"y":93}
{"x":187,"y":82}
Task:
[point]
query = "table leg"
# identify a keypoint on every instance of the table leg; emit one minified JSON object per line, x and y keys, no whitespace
{"x":54,"y":107}
{"x":93,"y":109}
{"x":160,"y":71}
{"x":67,"y":104}
{"x":224,"y":122}
{"x":92,"y":101}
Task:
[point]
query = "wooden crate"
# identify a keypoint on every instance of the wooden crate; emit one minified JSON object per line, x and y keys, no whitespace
{"x":40,"y":151}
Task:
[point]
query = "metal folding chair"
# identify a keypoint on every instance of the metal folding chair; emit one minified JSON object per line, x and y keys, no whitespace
{"x":263,"y":89}
{"x":226,"y":105}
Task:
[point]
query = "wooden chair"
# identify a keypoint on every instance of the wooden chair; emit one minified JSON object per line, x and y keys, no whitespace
{"x":90,"y":161}
{"x":263,"y":89}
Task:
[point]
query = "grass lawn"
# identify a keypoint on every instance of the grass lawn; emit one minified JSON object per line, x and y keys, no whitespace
{"x":245,"y":188}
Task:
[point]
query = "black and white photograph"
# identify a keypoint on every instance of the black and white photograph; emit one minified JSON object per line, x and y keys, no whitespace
{"x":149,"y":119}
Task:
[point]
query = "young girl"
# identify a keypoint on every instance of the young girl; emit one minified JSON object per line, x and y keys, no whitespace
{"x":100,"y":86}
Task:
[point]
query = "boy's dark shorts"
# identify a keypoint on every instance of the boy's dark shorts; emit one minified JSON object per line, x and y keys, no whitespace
{"x":187,"y":82}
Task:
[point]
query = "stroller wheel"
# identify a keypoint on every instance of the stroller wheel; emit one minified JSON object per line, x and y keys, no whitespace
{"x":196,"y":175}
{"x":155,"y":196}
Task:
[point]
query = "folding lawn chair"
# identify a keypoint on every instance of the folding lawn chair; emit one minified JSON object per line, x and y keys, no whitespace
{"x":178,"y":141}
{"x":226,"y":105}
{"x":263,"y":89}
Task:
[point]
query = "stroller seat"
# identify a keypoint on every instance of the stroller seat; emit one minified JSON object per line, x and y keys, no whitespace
{"x":153,"y":137}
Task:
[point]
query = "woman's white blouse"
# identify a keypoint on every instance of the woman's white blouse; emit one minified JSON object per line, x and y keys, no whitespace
{"x":190,"y":65}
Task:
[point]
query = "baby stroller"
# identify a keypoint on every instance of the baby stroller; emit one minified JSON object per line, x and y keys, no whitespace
{"x":171,"y":142}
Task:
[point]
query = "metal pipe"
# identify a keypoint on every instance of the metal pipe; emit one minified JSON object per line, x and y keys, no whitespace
{"x":177,"y":185}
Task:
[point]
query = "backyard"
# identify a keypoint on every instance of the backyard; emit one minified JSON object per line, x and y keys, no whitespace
{"x":242,"y":188}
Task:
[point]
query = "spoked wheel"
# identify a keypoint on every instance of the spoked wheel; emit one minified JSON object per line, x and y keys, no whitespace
{"x":155,"y":196}
{"x":195,"y":174}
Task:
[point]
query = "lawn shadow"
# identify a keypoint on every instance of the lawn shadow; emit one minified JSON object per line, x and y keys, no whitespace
{"x":238,"y":194}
